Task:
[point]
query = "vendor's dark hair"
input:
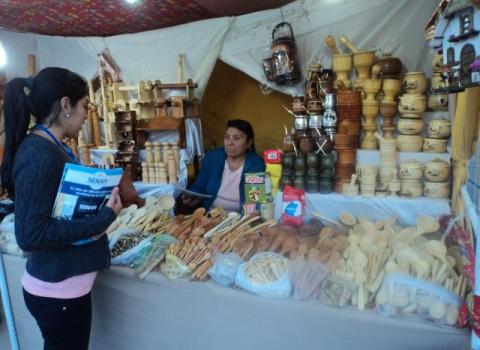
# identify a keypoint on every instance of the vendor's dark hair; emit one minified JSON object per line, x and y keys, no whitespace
{"x":244,"y":127}
{"x":46,"y":90}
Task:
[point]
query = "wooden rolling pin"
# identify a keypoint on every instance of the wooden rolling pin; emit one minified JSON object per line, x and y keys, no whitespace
{"x":330,"y":41}
{"x":345,"y":41}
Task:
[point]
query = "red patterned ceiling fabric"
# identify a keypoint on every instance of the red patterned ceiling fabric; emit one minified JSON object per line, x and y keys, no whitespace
{"x":97,"y":18}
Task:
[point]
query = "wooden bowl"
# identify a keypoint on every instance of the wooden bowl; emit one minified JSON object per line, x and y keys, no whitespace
{"x":415,"y":82}
{"x":364,"y":58}
{"x":409,"y":143}
{"x":437,"y":170}
{"x":435,"y":145}
{"x":410,"y":126}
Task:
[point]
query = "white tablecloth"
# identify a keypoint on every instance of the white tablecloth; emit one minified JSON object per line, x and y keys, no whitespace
{"x":372,"y":208}
{"x":129,"y":314}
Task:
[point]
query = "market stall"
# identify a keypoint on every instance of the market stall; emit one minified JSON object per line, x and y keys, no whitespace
{"x":360,"y":221}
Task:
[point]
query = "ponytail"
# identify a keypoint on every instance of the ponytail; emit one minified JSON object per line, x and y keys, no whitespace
{"x":16,"y":116}
{"x":43,"y":101}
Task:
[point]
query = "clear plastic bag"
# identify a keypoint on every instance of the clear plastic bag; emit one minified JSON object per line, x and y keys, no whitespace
{"x":402,"y":294}
{"x":265,"y":274}
{"x":336,"y":291}
{"x":306,"y":277}
{"x":173,"y":268}
{"x":225,"y":268}
{"x":151,"y":255}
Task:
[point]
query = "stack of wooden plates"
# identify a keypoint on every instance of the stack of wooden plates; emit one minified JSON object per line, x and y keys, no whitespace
{"x":368,"y":179}
{"x":388,"y":161}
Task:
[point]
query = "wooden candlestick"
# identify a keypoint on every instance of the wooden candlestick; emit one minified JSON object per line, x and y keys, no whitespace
{"x":145,"y":175}
{"x":163,"y":173}
{"x":96,"y":126}
{"x":172,"y":169}
{"x":149,"y":152}
{"x":157,"y":154}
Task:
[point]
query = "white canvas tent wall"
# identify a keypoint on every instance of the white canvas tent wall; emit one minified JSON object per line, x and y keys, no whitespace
{"x":242,"y":42}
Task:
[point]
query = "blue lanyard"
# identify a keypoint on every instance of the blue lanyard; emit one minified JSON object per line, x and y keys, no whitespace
{"x":64,"y":147}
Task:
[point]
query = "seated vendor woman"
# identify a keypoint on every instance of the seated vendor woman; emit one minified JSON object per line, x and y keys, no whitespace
{"x":222,"y":170}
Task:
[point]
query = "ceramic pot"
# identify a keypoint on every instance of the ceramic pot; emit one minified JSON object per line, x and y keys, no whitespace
{"x":410,"y":170}
{"x":300,"y":163}
{"x":412,"y":105}
{"x":437,"y":62}
{"x":437,"y":170}
{"x":410,"y":126}
{"x":439,"y":128}
{"x":305,"y":142}
{"x":287,"y":172}
{"x":314,"y":106}
{"x":323,"y":141}
{"x":409,"y":143}
{"x":438,"y":102}
{"x":326,"y":173}
{"x":329,"y":101}
{"x":436,"y":189}
{"x":315,"y":121}
{"x":414,"y":82}
{"x":313,"y":172}
{"x":433,"y":145}
{"x":390,"y":67}
{"x":288,"y":144}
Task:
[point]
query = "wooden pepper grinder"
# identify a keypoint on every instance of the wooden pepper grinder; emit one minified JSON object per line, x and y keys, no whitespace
{"x":149,"y":152}
{"x":157,"y":154}
{"x":158,"y":177}
{"x":172,"y":169}
{"x":175,"y":152}
{"x":145,"y":175}
{"x":163,"y":174}
{"x":165,"y":150}
{"x":151,"y":172}
{"x":96,"y":125}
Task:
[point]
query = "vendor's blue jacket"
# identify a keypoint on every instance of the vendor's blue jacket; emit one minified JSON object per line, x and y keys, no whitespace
{"x":210,"y":177}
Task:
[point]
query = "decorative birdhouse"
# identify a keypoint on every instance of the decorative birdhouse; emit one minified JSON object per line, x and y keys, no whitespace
{"x":457,"y":38}
{"x":282,"y":67}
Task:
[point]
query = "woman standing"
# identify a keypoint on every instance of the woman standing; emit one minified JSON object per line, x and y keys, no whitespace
{"x":59,"y":275}
{"x":221,"y":175}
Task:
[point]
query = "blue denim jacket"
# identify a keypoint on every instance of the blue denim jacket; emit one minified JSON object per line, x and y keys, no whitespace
{"x":210,"y":177}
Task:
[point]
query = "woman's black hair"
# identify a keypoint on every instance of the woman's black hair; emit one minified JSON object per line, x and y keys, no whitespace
{"x":46,"y":90}
{"x":244,"y":127}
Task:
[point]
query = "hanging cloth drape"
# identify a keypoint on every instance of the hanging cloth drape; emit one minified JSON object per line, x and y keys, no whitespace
{"x":464,"y":138}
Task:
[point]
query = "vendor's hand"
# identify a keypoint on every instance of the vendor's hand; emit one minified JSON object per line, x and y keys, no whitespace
{"x":115,"y":202}
{"x":191,"y":201}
